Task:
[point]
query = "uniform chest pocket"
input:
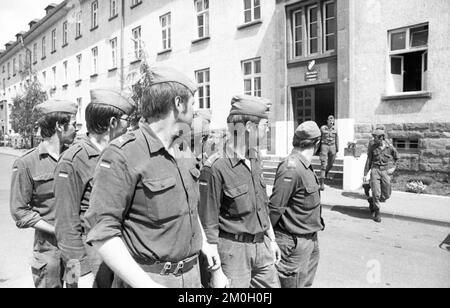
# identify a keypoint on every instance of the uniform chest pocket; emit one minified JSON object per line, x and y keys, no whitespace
{"x":239,"y":200}
{"x":43,"y":186}
{"x":159,"y":199}
{"x":312,"y":196}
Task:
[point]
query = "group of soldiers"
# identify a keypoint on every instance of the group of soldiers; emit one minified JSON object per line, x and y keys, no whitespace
{"x":151,"y":207}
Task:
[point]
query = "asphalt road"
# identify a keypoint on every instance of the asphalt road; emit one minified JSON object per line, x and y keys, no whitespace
{"x":355,"y":251}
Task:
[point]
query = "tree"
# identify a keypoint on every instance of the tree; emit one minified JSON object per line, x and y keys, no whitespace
{"x":23,"y":118}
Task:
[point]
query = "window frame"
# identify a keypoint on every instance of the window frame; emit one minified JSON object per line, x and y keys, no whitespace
{"x":65,"y":34}
{"x":166,"y":31}
{"x":113,"y":8}
{"x":252,"y":10}
{"x":324,"y":21}
{"x":79,"y":58}
{"x":35,"y":56}
{"x":204,"y":13}
{"x":204,"y":102}
{"x":114,"y":59}
{"x":94,"y":67}
{"x":53,"y":40}
{"x":66,"y":72}
{"x":137,"y":42}
{"x":78,"y":24}
{"x":44,"y":47}
{"x":253,"y":77}
{"x":94,"y":14}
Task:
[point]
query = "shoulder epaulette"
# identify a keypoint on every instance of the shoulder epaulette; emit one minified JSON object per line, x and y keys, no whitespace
{"x":291,"y":163}
{"x":123,"y":140}
{"x":70,"y":154}
{"x":29,"y":152}
{"x":211,"y":160}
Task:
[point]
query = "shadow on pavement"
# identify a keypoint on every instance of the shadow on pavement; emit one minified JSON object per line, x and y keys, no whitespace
{"x":354,"y":195}
{"x":353,"y":211}
{"x":445,"y":245}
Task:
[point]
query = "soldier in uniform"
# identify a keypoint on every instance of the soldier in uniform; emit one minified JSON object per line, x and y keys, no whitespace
{"x":32,"y":200}
{"x":233,"y":206}
{"x":106,"y":119}
{"x":296,"y":211}
{"x":143,"y":207}
{"x":328,"y":149}
{"x":381,"y":161}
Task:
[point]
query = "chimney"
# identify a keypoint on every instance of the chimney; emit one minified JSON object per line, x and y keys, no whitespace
{"x":50,"y":8}
{"x":33,"y":22}
{"x":20,"y":34}
{"x":9,"y":44}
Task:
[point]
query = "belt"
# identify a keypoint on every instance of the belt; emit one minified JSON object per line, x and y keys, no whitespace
{"x":382,"y":168}
{"x":168,"y":268}
{"x":243,"y":238}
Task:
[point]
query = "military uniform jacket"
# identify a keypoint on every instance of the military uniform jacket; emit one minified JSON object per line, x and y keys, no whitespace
{"x":73,"y":185}
{"x":233,"y":197}
{"x":147,"y":197}
{"x":295,"y":205}
{"x":330,"y":136}
{"x":32,"y":197}
{"x":376,"y":156}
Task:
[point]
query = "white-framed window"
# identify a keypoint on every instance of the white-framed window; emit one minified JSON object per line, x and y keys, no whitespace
{"x":408,"y":59}
{"x":35,"y":51}
{"x":113,"y":8}
{"x":44,"y":47}
{"x":9,"y":70}
{"x":204,"y":88}
{"x":94,"y":70}
{"x":79,"y":66}
{"x":313,"y":29}
{"x":202,"y":11}
{"x":166,"y":31}
{"x":79,"y":116}
{"x":54,"y":77}
{"x":53,"y":40}
{"x":44,"y":78}
{"x":66,"y":72}
{"x":65,"y":34}
{"x":20,"y":64}
{"x":113,"y":44}
{"x":137,"y":42}
{"x":252,"y":77}
{"x":94,"y":14}
{"x":14,"y":67}
{"x":78,"y":25}
{"x":252,"y":10}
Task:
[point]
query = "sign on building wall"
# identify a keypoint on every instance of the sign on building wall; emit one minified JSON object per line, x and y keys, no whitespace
{"x":312,"y":73}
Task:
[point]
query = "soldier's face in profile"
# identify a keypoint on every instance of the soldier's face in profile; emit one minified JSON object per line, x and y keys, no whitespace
{"x":69,"y":132}
{"x":187,"y":116}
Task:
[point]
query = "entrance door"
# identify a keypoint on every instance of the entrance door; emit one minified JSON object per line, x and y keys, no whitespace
{"x":304,"y":104}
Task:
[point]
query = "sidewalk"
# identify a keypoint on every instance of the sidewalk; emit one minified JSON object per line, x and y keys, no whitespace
{"x":406,"y":206}
{"x":12,"y":152}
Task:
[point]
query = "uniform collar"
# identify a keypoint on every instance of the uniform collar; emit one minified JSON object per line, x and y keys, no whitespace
{"x":91,"y":149}
{"x":297,"y":154}
{"x":42,"y":149}
{"x":154,"y":143}
{"x":235,"y":159}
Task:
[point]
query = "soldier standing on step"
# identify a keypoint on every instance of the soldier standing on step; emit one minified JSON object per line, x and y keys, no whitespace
{"x":328,"y":150}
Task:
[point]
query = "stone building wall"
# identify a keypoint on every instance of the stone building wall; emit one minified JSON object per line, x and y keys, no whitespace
{"x":433,"y":153}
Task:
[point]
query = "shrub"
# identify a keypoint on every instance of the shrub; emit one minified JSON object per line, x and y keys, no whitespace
{"x":416,"y":187}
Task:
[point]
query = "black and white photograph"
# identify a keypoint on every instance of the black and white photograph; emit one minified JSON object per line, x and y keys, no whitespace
{"x":225,"y":144}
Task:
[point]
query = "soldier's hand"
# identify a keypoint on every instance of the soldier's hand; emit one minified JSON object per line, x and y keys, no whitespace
{"x":219,"y":280}
{"x":366,"y":179}
{"x":276,"y":252}
{"x":212,"y":255}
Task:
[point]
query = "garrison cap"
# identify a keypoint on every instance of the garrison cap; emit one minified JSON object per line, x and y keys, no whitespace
{"x":54,"y":105}
{"x":114,"y":98}
{"x":379,"y":132}
{"x":250,"y":105}
{"x":308,"y":131}
{"x":165,"y":74}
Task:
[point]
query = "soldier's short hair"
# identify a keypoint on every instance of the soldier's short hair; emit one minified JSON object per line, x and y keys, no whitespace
{"x":98,"y":117}
{"x":304,"y":143}
{"x":47,"y":123}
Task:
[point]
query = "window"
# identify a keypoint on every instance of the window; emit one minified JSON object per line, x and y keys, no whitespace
{"x":3,"y":70}
{"x":79,"y":58}
{"x":9,"y":70}
{"x":44,"y":51}
{"x":408,"y":60}
{"x":252,"y":77}
{"x":65,"y":66}
{"x":79,"y":117}
{"x":166,"y":31}
{"x":54,"y":77}
{"x":65,"y":35}
{"x":137,"y":43}
{"x":313,"y":29}
{"x":54,"y":40}
{"x":20,"y":64}
{"x":35,"y":56}
{"x":113,"y":9}
{"x":113,"y":43}
{"x":94,"y":15}
{"x":135,"y":3}
{"x":78,"y":25}
{"x":14,"y":67}
{"x":202,"y":9}
{"x":406,"y":145}
{"x":204,"y":89}
{"x":44,"y":78}
{"x":94,"y":61}
{"x":252,"y":10}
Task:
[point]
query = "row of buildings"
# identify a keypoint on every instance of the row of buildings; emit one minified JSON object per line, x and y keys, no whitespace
{"x":367,"y":62}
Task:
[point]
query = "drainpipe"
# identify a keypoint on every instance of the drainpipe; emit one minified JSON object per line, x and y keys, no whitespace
{"x":122,"y":47}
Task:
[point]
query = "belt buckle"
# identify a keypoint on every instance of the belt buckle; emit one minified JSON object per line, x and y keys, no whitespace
{"x":180,"y":266}
{"x":166,"y":268}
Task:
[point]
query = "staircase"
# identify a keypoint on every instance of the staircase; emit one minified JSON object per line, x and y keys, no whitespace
{"x":270,"y":166}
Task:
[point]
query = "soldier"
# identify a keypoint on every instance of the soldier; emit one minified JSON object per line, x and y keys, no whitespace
{"x":106,"y":119}
{"x":296,"y":212}
{"x":32,"y":200}
{"x":143,"y":207}
{"x":328,"y":150}
{"x":381,"y":156}
{"x":233,"y":206}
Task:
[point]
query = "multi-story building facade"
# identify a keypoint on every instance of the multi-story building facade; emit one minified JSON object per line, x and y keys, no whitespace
{"x":367,"y":62}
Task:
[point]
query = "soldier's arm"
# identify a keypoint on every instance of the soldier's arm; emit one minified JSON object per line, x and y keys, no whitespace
{"x":68,"y":228}
{"x":111,"y":196}
{"x":20,"y":198}
{"x":369,"y":161}
{"x":286,"y":181}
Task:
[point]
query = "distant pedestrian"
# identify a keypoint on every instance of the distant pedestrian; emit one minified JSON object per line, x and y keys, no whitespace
{"x":328,"y":149}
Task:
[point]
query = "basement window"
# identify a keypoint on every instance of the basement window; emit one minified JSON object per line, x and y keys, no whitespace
{"x":406,"y":145}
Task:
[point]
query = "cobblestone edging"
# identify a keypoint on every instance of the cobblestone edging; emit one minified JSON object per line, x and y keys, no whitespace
{"x":433,"y":154}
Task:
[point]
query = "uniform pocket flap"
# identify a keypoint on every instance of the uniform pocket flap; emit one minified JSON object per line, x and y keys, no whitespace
{"x":156,"y":185}
{"x":236,"y":192}
{"x":44,"y":177}
{"x":312,"y":189}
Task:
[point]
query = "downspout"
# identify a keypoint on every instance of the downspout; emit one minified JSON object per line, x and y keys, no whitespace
{"x":122,"y":47}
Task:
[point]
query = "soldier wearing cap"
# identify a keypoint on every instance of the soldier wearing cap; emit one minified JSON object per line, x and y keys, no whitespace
{"x":296,"y":211}
{"x":233,"y":206}
{"x":143,"y":205}
{"x":32,"y":199}
{"x":381,"y":160}
{"x":106,"y":119}
{"x":328,"y":149}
